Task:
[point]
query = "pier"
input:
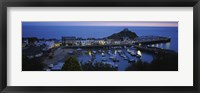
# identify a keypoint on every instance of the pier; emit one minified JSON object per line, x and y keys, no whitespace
{"x":141,"y":40}
{"x":154,"y":50}
{"x":152,"y":39}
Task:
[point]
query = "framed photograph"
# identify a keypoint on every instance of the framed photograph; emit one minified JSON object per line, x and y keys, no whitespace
{"x":100,"y":46}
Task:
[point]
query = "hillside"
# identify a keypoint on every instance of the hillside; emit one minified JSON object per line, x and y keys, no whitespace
{"x":124,"y":33}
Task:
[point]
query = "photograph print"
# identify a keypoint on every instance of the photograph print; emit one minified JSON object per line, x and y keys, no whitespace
{"x":100,"y":46}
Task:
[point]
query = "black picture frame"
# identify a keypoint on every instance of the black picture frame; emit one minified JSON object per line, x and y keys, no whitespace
{"x":100,"y":3}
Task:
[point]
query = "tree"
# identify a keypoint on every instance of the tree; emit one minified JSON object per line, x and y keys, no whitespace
{"x":34,"y":64}
{"x":97,"y":66}
{"x":161,"y":62}
{"x":139,"y":66}
{"x":32,"y":40}
{"x":71,"y":64}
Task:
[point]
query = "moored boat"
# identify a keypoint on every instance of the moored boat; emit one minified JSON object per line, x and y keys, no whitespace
{"x":131,"y":60}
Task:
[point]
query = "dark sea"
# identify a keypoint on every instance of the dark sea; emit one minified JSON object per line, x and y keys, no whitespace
{"x":100,"y":32}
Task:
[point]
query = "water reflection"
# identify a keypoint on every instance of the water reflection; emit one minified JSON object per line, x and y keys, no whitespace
{"x":162,"y":45}
{"x":90,"y":53}
{"x":157,"y":45}
{"x":120,"y":57}
{"x":168,"y":45}
{"x":117,"y":57}
{"x":139,"y":53}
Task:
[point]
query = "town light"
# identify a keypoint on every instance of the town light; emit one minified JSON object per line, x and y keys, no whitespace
{"x":139,"y":53}
{"x":90,"y":53}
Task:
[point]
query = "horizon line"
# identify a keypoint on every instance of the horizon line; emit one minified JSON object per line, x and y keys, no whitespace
{"x":106,"y":23}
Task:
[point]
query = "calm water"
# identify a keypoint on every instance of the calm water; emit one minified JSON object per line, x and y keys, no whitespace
{"x":171,"y":32}
{"x":122,"y":64}
{"x":99,"y":32}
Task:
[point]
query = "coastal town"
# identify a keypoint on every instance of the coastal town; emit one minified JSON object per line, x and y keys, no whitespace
{"x":92,"y":53}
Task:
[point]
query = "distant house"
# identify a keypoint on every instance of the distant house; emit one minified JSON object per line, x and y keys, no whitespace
{"x":40,"y":43}
{"x":30,"y":41}
{"x":101,"y":42}
{"x":84,"y":42}
{"x":90,"y":41}
{"x":57,"y":44}
{"x":49,"y":44}
{"x":117,"y":42}
{"x":46,"y":44}
{"x":32,"y":52}
{"x":69,"y":41}
{"x":108,"y":41}
{"x":24,"y":42}
{"x":125,"y":38}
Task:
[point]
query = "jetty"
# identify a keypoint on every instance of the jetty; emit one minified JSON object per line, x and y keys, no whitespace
{"x":154,"y":50}
{"x":152,"y":39}
{"x":140,"y":40}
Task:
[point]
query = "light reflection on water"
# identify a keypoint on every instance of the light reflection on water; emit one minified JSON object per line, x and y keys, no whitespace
{"x":168,"y":45}
{"x":161,"y":45}
{"x":122,"y":64}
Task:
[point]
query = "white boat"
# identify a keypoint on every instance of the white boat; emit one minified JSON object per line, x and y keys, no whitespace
{"x":51,"y":65}
{"x":116,"y":65}
{"x":85,"y":52}
{"x":109,"y":52}
{"x":89,"y":60}
{"x":119,"y":51}
{"x":125,"y":58}
{"x":94,"y":52}
{"x":115,"y":60}
{"x":112,"y":64}
{"x":122,"y":55}
{"x":57,"y":67}
{"x":79,"y":49}
{"x":131,"y":60}
{"x":70,"y":52}
{"x":128,"y":50}
{"x":103,"y":55}
{"x":133,"y":53}
{"x":112,"y":57}
{"x":104,"y":59}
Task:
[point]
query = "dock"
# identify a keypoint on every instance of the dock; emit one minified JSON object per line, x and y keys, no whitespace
{"x":152,"y":40}
{"x":154,"y":50}
{"x":141,"y":40}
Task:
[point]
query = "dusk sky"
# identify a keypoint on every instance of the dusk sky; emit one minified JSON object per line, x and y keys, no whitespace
{"x":92,"y":28}
{"x":103,"y":23}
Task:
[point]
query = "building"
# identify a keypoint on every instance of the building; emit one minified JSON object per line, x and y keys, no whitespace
{"x":101,"y":42}
{"x":30,"y":41}
{"x":24,"y":42}
{"x":69,"y":41}
{"x":49,"y":44}
{"x":32,"y":52}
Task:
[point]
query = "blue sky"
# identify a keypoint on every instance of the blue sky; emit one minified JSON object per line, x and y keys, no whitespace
{"x":105,"y":23}
{"x":90,"y":29}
